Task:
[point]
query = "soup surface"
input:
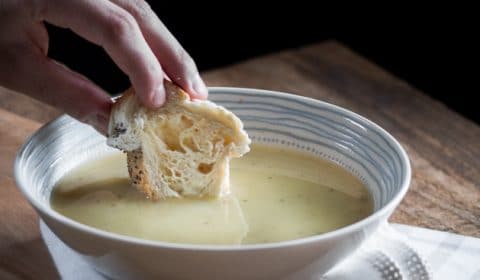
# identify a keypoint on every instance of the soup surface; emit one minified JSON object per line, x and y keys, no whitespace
{"x":277,"y":194}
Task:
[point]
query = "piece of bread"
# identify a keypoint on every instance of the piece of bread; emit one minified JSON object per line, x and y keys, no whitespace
{"x":180,"y":149}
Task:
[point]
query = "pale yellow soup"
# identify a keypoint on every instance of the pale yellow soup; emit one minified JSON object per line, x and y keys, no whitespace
{"x":277,"y":194}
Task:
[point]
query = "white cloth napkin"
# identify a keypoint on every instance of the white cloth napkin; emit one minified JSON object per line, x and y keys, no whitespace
{"x":395,"y":252}
{"x":449,"y":256}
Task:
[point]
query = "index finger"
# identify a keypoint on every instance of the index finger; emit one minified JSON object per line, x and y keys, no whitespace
{"x":176,"y":62}
{"x":113,"y":28}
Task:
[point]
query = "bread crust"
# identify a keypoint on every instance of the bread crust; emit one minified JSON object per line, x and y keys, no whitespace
{"x":173,"y":150}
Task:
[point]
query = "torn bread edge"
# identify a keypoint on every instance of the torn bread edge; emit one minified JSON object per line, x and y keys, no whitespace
{"x":130,"y":131}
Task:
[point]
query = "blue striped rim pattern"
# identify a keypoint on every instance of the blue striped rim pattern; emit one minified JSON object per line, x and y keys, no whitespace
{"x":322,"y":130}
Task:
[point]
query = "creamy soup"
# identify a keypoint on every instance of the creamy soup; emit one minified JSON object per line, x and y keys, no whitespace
{"x":277,"y":194}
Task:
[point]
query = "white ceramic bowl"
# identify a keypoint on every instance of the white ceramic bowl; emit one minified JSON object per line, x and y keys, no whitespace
{"x":325,"y":130}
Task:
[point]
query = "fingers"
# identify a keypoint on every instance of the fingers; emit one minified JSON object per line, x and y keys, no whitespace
{"x":113,"y":28}
{"x":46,"y":80}
{"x":176,"y":62}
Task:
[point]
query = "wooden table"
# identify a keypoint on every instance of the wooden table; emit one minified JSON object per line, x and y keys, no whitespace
{"x":444,"y":147}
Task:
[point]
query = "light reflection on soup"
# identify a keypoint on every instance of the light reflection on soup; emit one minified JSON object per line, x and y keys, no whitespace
{"x":277,"y":194}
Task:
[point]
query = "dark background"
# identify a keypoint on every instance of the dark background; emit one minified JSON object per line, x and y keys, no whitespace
{"x":432,"y":50}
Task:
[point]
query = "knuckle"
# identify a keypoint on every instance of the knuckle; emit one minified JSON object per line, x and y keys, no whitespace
{"x":139,"y":9}
{"x":119,"y":25}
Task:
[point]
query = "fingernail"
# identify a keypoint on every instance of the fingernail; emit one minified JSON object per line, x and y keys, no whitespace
{"x":200,"y":88}
{"x":158,"y":97}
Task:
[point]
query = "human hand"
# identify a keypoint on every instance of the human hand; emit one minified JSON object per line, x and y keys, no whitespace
{"x":130,"y":33}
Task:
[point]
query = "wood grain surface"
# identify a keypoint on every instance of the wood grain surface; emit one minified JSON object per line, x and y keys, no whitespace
{"x":444,"y":147}
{"x":23,"y":254}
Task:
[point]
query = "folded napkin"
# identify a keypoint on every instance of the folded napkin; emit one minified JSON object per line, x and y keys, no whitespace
{"x":395,"y":252}
{"x":449,"y":256}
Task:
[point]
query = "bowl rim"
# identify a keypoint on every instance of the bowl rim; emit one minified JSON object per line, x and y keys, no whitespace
{"x":377,"y":215}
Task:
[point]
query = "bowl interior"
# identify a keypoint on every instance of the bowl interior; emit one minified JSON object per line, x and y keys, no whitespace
{"x":324,"y":130}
